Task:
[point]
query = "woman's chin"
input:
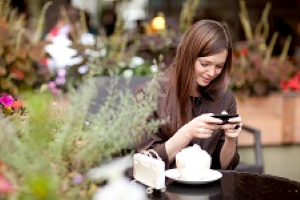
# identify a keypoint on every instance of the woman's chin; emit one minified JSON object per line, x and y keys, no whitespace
{"x":203,"y":83}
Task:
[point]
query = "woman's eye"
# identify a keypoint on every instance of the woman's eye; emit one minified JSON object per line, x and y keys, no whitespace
{"x":219,"y":66}
{"x":203,"y":64}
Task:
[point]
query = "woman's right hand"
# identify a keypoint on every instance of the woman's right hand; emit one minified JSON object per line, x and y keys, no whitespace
{"x":202,"y":126}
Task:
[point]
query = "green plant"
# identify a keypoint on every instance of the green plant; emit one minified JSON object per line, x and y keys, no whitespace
{"x":20,"y":53}
{"x":106,"y":56}
{"x":188,"y":13}
{"x":49,"y":156}
{"x":255,"y":70}
{"x":164,"y":42}
{"x":12,"y":108}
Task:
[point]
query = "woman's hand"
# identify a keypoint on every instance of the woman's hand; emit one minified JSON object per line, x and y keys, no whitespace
{"x":202,"y":126}
{"x":233,"y":128}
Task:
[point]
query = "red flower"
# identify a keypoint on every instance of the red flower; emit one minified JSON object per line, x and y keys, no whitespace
{"x":18,"y":74}
{"x":284,"y":86}
{"x":244,"y":52}
{"x":44,"y":61}
{"x":291,"y":84}
{"x":294,"y":83}
{"x":17,"y":105}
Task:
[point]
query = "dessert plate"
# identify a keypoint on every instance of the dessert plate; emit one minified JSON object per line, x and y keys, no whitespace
{"x":212,"y":175}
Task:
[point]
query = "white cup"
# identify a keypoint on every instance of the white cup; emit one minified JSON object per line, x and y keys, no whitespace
{"x":193,"y":163}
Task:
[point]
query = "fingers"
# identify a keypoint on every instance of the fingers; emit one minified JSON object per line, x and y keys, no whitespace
{"x":205,"y":125}
{"x":204,"y":133}
{"x":232,"y":127}
{"x":232,"y":134}
{"x":208,"y":119}
{"x":232,"y":130}
{"x":235,"y":120}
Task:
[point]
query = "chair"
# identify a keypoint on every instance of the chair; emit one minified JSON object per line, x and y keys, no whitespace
{"x":257,"y":166}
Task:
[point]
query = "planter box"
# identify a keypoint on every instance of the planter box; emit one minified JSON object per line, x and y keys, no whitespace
{"x":276,"y":115}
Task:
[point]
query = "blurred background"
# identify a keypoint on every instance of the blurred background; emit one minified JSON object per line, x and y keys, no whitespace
{"x":283,"y":16}
{"x":267,"y":86}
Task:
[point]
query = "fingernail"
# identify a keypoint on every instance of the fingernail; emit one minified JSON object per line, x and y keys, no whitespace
{"x":237,"y":126}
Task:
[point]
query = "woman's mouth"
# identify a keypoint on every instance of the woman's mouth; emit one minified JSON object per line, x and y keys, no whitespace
{"x":206,"y":80}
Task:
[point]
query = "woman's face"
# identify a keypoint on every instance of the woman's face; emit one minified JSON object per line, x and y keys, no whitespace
{"x":209,"y":67}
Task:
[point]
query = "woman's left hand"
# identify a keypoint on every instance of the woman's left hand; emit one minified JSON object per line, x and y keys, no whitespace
{"x":233,"y":128}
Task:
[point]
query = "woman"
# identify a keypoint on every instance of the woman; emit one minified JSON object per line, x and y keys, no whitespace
{"x":195,"y":90}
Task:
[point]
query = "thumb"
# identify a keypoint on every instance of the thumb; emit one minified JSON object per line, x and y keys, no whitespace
{"x":208,"y":114}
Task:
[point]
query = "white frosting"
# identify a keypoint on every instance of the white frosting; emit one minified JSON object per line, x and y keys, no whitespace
{"x":193,"y":162}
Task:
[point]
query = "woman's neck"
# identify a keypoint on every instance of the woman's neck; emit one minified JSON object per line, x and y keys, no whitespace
{"x":198,"y":91}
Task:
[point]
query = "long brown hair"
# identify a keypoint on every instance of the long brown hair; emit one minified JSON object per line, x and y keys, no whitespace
{"x":204,"y":38}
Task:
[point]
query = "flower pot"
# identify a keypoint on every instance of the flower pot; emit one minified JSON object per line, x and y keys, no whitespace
{"x":261,"y":88}
{"x":276,"y":115}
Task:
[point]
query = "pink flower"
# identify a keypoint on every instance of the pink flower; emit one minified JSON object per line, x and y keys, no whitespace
{"x":61,"y":72}
{"x":52,"y":84}
{"x":5,"y":185}
{"x":78,"y":179}
{"x":54,"y":90}
{"x":45,"y":61}
{"x":6,"y":100}
{"x":60,"y":80}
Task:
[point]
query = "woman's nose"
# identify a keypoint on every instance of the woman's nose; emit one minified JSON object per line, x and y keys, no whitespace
{"x":211,"y":71}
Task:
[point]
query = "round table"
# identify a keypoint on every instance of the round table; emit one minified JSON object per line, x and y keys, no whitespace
{"x":233,"y":185}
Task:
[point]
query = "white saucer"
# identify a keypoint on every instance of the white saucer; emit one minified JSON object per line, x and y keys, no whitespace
{"x":211,"y":176}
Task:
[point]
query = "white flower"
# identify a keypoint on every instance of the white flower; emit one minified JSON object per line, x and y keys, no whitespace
{"x":88,"y":51}
{"x":61,"y":54}
{"x":118,"y":187}
{"x":75,"y":61}
{"x":121,"y":189}
{"x":61,"y":72}
{"x":87,"y":39}
{"x":122,"y":64}
{"x":83,"y":69}
{"x":64,"y":30}
{"x":103,"y":52}
{"x":136,"y":61}
{"x":128,"y":73}
{"x":154,"y":68}
{"x":61,"y":40}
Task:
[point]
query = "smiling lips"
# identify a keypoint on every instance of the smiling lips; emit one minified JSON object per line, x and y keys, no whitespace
{"x":207,"y":80}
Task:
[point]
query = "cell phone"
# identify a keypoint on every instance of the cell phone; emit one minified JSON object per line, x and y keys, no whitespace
{"x":225,"y":117}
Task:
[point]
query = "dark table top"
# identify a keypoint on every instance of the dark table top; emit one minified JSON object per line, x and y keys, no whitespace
{"x":233,"y":185}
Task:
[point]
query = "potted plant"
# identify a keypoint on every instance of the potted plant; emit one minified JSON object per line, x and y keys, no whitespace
{"x":255,"y":71}
{"x":20,"y":52}
{"x":56,"y":148}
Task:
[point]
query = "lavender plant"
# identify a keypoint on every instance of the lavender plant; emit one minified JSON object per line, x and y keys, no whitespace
{"x":49,"y":156}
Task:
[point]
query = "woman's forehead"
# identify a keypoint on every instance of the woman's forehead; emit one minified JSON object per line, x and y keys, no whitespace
{"x":216,"y":58}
